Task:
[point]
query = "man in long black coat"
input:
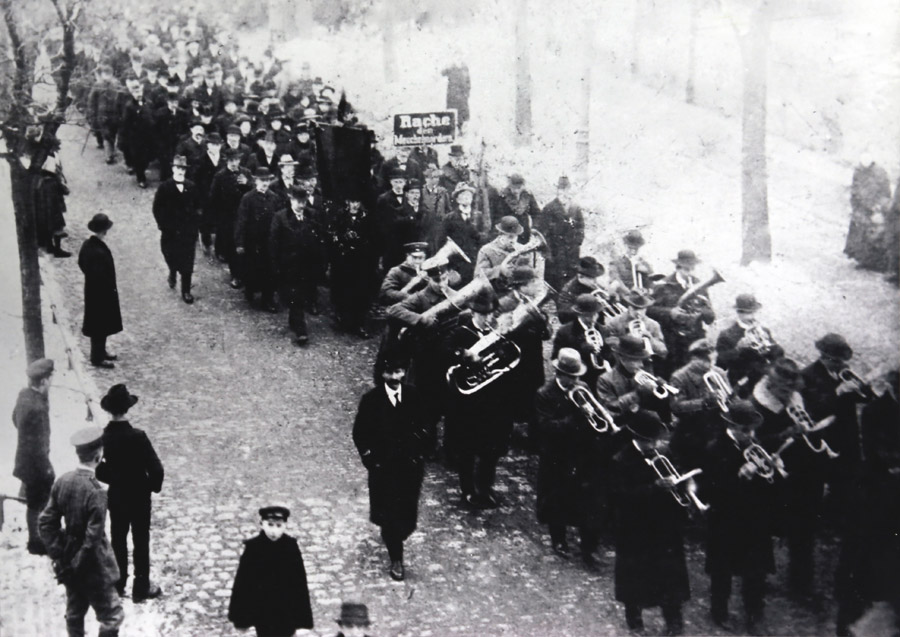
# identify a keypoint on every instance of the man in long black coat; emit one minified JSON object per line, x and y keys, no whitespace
{"x":102,"y":317}
{"x":562,"y":224}
{"x":171,"y":123}
{"x":228,"y":187}
{"x":176,"y":208}
{"x":251,"y":239}
{"x":138,"y":131}
{"x":297,"y":254}
{"x":133,"y":471}
{"x":208,"y":164}
{"x":353,"y":257}
{"x":49,"y":199}
{"x":389,"y":433}
{"x":31,"y":418}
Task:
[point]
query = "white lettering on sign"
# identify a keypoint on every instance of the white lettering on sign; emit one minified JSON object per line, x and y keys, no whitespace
{"x":429,"y":121}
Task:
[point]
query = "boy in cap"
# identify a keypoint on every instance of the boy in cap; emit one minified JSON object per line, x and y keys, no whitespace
{"x":133,"y":471}
{"x":82,"y":558}
{"x":31,"y":418}
{"x":650,"y":564}
{"x":270,"y":591}
{"x":354,"y":620}
{"x":739,"y":539}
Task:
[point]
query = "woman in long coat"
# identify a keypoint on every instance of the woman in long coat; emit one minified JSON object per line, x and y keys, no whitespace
{"x":102,"y":317}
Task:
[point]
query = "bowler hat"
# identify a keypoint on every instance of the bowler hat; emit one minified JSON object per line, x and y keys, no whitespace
{"x":686,"y":257}
{"x":568,"y":361}
{"x":746,"y":303}
{"x":99,"y":223}
{"x":287,"y":160}
{"x":231,"y":153}
{"x":84,"y":440}
{"x":835,"y":346}
{"x":590,"y":267}
{"x":396,"y":173}
{"x":456,"y":150}
{"x":646,"y":425}
{"x":233,"y":130}
{"x":39,"y":369}
{"x":274,"y":512}
{"x":630,"y":346}
{"x":638,"y":299}
{"x":195,"y":123}
{"x":298,"y":192}
{"x":586,"y":304}
{"x":634,"y":238}
{"x":353,"y":615}
{"x":179,"y":161}
{"x":786,"y":373}
{"x":306,"y":172}
{"x":700,"y":346}
{"x":214,"y":138}
{"x":262,"y":173}
{"x":509,"y":225}
{"x":484,"y":302}
{"x":516,"y":179}
{"x":118,"y":400}
{"x":394,"y":358}
{"x":743,"y":414}
{"x":412,"y":184}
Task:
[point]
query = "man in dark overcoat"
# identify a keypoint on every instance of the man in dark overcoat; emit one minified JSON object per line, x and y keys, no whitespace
{"x":573,"y":457}
{"x":516,"y":201}
{"x":31,"y":418}
{"x":456,"y":169}
{"x":870,"y":199}
{"x":588,"y":337}
{"x":228,"y":187}
{"x":353,"y":255}
{"x":138,"y":131}
{"x":650,"y":564}
{"x":297,"y":254}
{"x":390,"y":436}
{"x":50,"y":192}
{"x":209,"y":163}
{"x":562,"y":224}
{"x":737,"y":355}
{"x":104,"y":114}
{"x":133,"y":471}
{"x":251,"y":239}
{"x":467,"y":227}
{"x":171,"y":123}
{"x":102,"y":317}
{"x":82,"y":557}
{"x":585,"y":281}
{"x":176,"y":208}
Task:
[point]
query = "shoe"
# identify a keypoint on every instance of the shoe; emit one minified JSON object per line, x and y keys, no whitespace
{"x":301,"y":340}
{"x":314,"y":309}
{"x":110,"y":160}
{"x":36,"y":547}
{"x":561,"y":549}
{"x":235,"y":284}
{"x":103,"y":364}
{"x":396,"y":571}
{"x":142,"y":184}
{"x":110,"y":357}
{"x":171,"y":280}
{"x":141,"y":592}
{"x":187,"y":297}
{"x":59,"y":253}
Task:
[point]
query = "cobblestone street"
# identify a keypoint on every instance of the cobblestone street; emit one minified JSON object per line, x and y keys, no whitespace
{"x":241,"y":417}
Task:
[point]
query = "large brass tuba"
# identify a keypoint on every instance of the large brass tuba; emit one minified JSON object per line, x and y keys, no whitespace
{"x":595,"y":413}
{"x":456,"y":300}
{"x":445,"y":252}
{"x":493,"y":355}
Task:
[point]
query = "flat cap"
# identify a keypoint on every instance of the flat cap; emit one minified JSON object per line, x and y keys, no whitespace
{"x":274,"y":512}
{"x":87,"y":438}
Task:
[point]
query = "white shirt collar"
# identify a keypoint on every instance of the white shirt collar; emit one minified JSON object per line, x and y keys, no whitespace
{"x":765,"y":398}
{"x":393,"y":394}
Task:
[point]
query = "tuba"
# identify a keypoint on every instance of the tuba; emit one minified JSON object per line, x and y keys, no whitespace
{"x":450,"y":248}
{"x":456,"y":300}
{"x":495,"y":355}
{"x":537,"y":242}
{"x":596,"y":414}
{"x":758,"y":338}
{"x":690,"y":296}
{"x":683,"y":485}
{"x":661,"y":389}
{"x":718,"y":387}
{"x":802,"y":419}
{"x":766,"y":465}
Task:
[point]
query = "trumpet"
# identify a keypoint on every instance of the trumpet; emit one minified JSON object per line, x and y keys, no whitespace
{"x":537,"y":242}
{"x":765,"y":465}
{"x":610,"y":308}
{"x":637,"y":328}
{"x":637,"y":278}
{"x":595,"y":340}
{"x":861,"y":387}
{"x":802,"y":419}
{"x":596,"y":414}
{"x":758,"y":339}
{"x":661,"y":389}
{"x":685,"y":496}
{"x":718,"y":387}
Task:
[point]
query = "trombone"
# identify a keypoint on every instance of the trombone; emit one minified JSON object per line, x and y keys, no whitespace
{"x":684,"y":495}
{"x":596,"y":414}
{"x":801,"y":418}
{"x":718,"y":387}
{"x":661,"y":389}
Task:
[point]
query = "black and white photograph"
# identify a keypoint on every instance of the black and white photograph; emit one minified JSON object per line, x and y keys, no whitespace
{"x":415,"y":318}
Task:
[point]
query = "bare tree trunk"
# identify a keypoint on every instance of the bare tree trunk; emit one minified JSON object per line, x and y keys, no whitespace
{"x":583,"y":132}
{"x":387,"y":45}
{"x":523,"y":76}
{"x":692,"y":52}
{"x":757,"y":239}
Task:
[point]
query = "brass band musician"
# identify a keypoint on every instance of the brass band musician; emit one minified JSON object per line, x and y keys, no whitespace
{"x":745,"y":347}
{"x":588,"y":337}
{"x":396,"y":284}
{"x":636,"y":322}
{"x":630,"y":270}
{"x":585,"y":281}
{"x":497,"y":258}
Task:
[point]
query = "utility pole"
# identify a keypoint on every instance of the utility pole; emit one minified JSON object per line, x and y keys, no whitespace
{"x":583,"y":132}
{"x":523,"y":76}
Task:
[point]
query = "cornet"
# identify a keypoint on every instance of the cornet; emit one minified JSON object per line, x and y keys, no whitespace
{"x":718,"y":387}
{"x":800,"y":418}
{"x":595,"y":413}
{"x":861,"y":387}
{"x":765,"y":465}
{"x":610,"y":309}
{"x":661,"y":389}
{"x":685,"y":495}
{"x":595,"y":340}
{"x":758,"y":339}
{"x":637,"y":328}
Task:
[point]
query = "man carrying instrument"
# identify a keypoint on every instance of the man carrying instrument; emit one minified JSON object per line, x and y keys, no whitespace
{"x":478,"y":424}
{"x":588,"y":337}
{"x":631,"y":270}
{"x":696,"y":405}
{"x":585,"y":281}
{"x":650,"y":563}
{"x":497,"y":258}
{"x":398,"y":282}
{"x":571,"y":482}
{"x":777,"y":398}
{"x":634,"y":321}
{"x":682,"y":317}
{"x":746,"y":348}
{"x":739,"y":539}
{"x":618,"y":390}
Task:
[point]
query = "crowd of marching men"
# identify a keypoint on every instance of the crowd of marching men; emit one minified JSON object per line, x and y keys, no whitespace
{"x":645,"y":416}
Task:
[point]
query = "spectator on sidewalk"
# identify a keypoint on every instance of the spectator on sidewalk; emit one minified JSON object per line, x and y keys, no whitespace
{"x":102,"y":317}
{"x":132,"y":470}
{"x":31,"y":418}
{"x":82,"y":558}
{"x":50,"y":192}
{"x":270,"y":592}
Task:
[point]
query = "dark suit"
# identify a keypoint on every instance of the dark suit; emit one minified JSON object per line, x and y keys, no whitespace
{"x":177,"y":215}
{"x":225,"y":194}
{"x":572,"y":334}
{"x":170,"y":126}
{"x":251,"y":232}
{"x":563,"y":227}
{"x":678,"y":336}
{"x":82,"y":551}
{"x":297,"y":255}
{"x":31,"y":418}
{"x":203,"y":177}
{"x":391,"y":442}
{"x":132,"y":469}
{"x":138,"y":130}
{"x":743,"y":364}
{"x":102,"y":316}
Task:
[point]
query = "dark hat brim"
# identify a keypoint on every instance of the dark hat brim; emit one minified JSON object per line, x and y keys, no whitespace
{"x":107,"y":403}
{"x":100,"y":225}
{"x":581,"y":371}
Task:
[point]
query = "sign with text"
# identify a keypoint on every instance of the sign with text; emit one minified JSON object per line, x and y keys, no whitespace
{"x":417,"y":129}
